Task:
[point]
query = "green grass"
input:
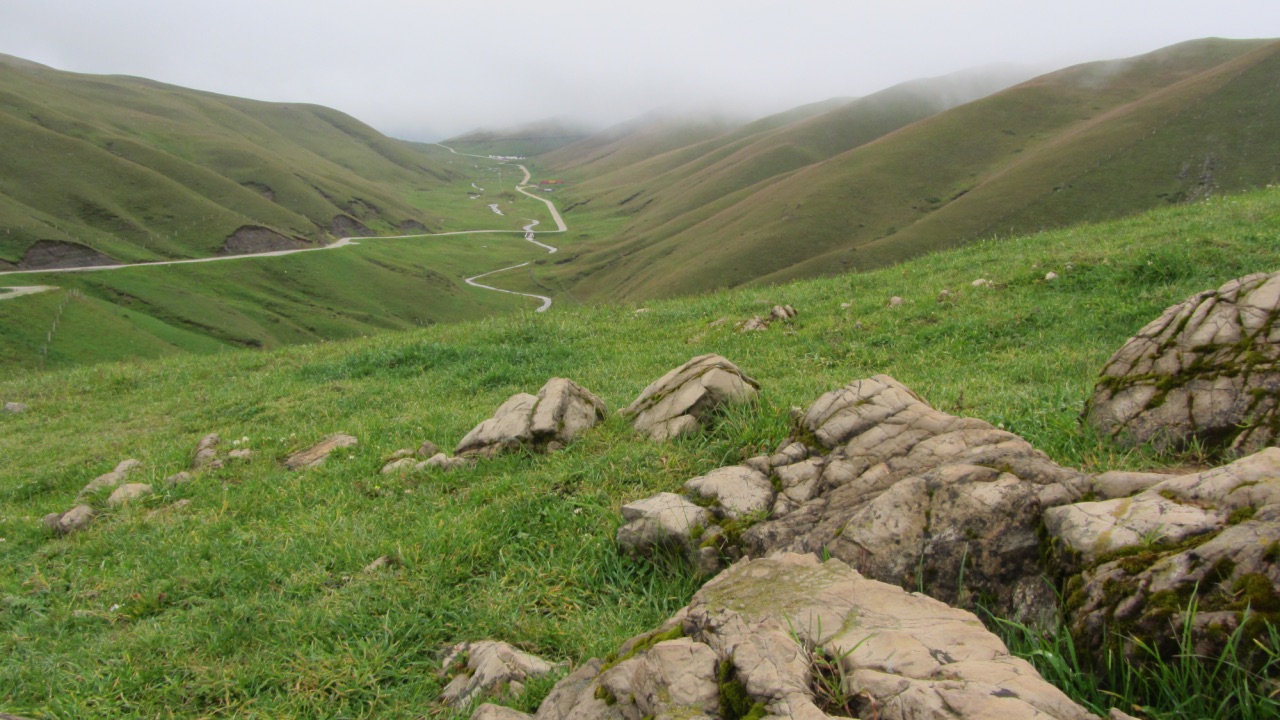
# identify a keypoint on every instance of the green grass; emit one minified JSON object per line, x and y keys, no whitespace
{"x":250,"y":602}
{"x":378,"y":285}
{"x":1238,"y":683}
{"x":139,"y":170}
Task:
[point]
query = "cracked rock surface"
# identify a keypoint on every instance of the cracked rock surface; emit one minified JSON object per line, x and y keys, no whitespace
{"x":560,"y":411}
{"x":910,"y":495}
{"x":756,"y":629}
{"x":486,"y":667}
{"x":679,"y":402}
{"x":1205,"y":370}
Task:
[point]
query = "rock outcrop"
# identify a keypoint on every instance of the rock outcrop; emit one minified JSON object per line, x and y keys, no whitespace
{"x":903,"y":492}
{"x":487,"y":668}
{"x":315,"y":455}
{"x":548,"y":421}
{"x":790,"y":636}
{"x":1211,"y":537}
{"x":112,"y":479}
{"x":1205,"y":371}
{"x":679,"y":402}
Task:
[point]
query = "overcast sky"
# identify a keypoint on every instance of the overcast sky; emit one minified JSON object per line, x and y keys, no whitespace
{"x":427,"y":69}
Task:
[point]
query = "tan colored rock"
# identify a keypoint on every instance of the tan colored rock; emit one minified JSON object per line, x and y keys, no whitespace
{"x":909,"y":656}
{"x":385,"y":562}
{"x":560,"y":411}
{"x":1119,"y":484}
{"x":315,"y":455}
{"x":77,"y":518}
{"x":676,"y":678}
{"x":913,"y":496}
{"x":895,"y":301}
{"x":111,"y":479}
{"x":13,"y":408}
{"x":681,"y":400}
{"x":489,"y":711}
{"x":665,"y":519}
{"x":489,"y":666}
{"x":427,"y":449}
{"x":1050,"y":276}
{"x":180,"y":478}
{"x":782,"y":312}
{"x":754,"y":324}
{"x":1226,"y":526}
{"x":128,"y":493}
{"x":981,"y":282}
{"x":401,"y":465}
{"x":440,"y":461}
{"x":1207,"y":370}
{"x":1096,"y":528}
{"x":738,"y":491}
{"x":206,"y":454}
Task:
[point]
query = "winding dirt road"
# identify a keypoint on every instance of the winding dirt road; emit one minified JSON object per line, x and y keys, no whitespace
{"x":529,"y":235}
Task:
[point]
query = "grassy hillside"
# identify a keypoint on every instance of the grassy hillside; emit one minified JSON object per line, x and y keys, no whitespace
{"x":1092,"y":142}
{"x":250,"y":601}
{"x":377,"y":285}
{"x":138,"y":170}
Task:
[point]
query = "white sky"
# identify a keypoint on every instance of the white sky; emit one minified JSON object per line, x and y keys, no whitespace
{"x":430,"y":69}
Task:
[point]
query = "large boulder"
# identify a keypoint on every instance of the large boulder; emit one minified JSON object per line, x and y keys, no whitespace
{"x":916,"y":497}
{"x":1204,"y":371}
{"x":1211,"y":537}
{"x":560,"y":411}
{"x":679,"y":402}
{"x":789,"y":636}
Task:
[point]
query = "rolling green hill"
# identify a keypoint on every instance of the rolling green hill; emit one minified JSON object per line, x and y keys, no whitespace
{"x":135,"y":170}
{"x":240,"y":593}
{"x":1090,"y":142}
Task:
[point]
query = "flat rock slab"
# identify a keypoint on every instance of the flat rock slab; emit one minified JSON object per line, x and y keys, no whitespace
{"x":738,"y":491}
{"x":679,"y":402}
{"x":908,"y":655}
{"x":1207,"y":370}
{"x":318,"y":453}
{"x":13,"y":408}
{"x":560,"y":412}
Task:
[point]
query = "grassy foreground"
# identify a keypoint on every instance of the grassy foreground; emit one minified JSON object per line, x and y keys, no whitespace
{"x":250,"y":602}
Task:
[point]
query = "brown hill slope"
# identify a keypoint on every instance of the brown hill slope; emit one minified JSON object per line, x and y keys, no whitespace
{"x":1086,"y":143}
